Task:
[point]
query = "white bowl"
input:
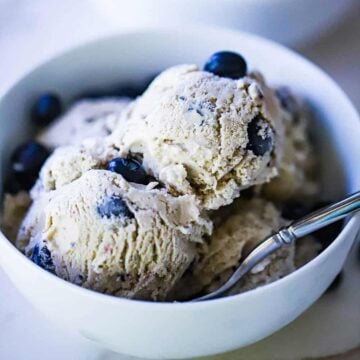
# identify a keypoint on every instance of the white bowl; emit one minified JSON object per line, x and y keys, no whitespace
{"x":165,"y":330}
{"x":287,"y":21}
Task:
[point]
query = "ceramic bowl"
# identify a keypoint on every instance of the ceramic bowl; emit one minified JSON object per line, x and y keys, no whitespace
{"x":185,"y":330}
{"x":291,"y":22}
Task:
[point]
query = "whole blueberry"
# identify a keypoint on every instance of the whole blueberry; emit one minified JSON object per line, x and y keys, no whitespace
{"x":26,"y":162}
{"x":130,"y":169}
{"x":293,"y":210}
{"x":114,"y":206}
{"x":227,"y":64}
{"x":46,"y":109}
{"x":260,"y":141}
{"x":41,"y":256}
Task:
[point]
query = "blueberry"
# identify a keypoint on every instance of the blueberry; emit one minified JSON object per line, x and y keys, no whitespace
{"x":26,"y":162}
{"x":46,"y":109}
{"x":41,"y":256}
{"x":293,"y":210}
{"x":114,"y":206}
{"x":259,"y":141}
{"x":130,"y":169}
{"x":336,"y":282}
{"x":227,"y":64}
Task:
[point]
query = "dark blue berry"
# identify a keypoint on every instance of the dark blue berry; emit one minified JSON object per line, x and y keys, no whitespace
{"x":130,"y":169}
{"x":114,"y":206}
{"x":293,"y":210}
{"x":26,"y":162}
{"x":227,"y":64}
{"x":41,"y":256}
{"x":336,"y":282}
{"x":258,"y":143}
{"x":46,"y":109}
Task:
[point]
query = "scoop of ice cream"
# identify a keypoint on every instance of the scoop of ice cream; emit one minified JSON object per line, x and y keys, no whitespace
{"x":296,"y":178}
{"x":103,"y":233}
{"x":218,"y":257}
{"x":68,"y":163}
{"x":203,"y":134}
{"x":86,"y":118}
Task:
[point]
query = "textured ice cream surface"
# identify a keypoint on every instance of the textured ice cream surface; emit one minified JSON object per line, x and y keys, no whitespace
{"x":114,"y":237}
{"x":86,"y":118}
{"x":250,"y":223}
{"x":205,"y":135}
{"x":68,"y":163}
{"x":219,"y":153}
{"x":297,"y":175}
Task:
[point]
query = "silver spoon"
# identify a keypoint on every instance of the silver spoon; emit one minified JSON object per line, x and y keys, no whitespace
{"x":287,"y":235}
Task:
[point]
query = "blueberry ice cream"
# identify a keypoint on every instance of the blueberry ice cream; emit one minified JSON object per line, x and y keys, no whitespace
{"x":160,"y":197}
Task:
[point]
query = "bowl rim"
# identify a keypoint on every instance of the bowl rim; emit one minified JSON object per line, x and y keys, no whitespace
{"x":157,"y":31}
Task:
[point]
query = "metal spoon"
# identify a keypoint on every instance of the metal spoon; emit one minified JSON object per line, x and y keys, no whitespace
{"x":287,"y":235}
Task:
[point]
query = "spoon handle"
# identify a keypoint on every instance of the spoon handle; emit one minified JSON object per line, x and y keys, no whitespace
{"x":320,"y":218}
{"x":287,"y":235}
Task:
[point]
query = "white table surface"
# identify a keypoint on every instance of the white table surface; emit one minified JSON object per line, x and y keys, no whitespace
{"x":28,"y":36}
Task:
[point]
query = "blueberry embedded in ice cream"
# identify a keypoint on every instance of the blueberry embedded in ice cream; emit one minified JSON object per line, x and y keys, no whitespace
{"x":41,"y":256}
{"x":46,"y":109}
{"x":27,"y":161}
{"x":130,"y":169}
{"x":114,"y":206}
{"x":260,"y":140}
{"x":227,"y":64}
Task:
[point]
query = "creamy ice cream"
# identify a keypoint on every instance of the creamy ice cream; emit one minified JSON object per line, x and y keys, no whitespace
{"x":85,"y":119}
{"x":69,"y":163}
{"x":297,"y":175}
{"x":114,"y":237}
{"x":203,"y":134}
{"x":151,"y":200}
{"x":250,"y":222}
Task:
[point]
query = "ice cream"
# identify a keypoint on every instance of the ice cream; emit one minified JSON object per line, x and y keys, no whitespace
{"x":85,"y":119}
{"x":114,"y":237}
{"x":297,"y":171}
{"x":162,"y":198}
{"x":202,"y":134}
{"x":250,"y":222}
